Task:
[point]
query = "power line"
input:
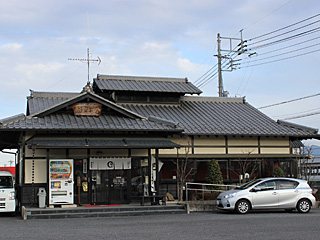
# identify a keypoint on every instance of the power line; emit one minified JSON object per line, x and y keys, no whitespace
{"x":209,"y":78}
{"x":302,"y":116}
{"x":281,"y":54}
{"x":281,"y":59}
{"x":242,"y":48}
{"x":289,"y":101}
{"x":293,"y":30}
{"x":293,"y":114}
{"x":280,"y":29}
{"x":205,"y":74}
{"x":302,"y":34}
{"x":293,"y":45}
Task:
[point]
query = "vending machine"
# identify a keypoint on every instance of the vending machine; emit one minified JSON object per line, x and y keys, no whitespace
{"x":61,"y":181}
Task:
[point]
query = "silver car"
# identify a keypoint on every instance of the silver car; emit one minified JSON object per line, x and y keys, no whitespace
{"x":268,"y":193}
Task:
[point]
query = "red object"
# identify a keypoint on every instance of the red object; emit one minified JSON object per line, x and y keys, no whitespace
{"x":11,"y":170}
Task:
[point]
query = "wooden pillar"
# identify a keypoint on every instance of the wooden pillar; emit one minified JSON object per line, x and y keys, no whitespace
{"x":48,"y":175}
{"x":157,"y":172}
{"x":149,"y":172}
{"x":228,"y":170}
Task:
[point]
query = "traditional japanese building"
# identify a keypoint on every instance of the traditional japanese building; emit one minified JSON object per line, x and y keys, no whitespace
{"x":123,"y":137}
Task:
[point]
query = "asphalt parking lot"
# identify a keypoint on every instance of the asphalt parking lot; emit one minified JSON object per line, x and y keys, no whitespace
{"x":258,"y":225}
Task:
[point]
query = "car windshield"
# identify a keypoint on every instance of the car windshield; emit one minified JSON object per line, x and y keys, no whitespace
{"x":6,"y":182}
{"x":248,"y":184}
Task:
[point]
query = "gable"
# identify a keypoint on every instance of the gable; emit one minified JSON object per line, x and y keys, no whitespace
{"x":86,"y":104}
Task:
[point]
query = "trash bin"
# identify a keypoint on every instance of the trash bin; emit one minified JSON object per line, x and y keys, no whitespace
{"x":42,"y":197}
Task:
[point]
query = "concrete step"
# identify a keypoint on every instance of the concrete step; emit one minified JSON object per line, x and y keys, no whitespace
{"x":81,"y":212}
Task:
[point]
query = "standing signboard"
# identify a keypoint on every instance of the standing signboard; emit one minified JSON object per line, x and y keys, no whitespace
{"x":61,"y":181}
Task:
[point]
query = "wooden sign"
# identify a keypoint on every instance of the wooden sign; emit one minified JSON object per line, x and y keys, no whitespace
{"x":87,"y":109}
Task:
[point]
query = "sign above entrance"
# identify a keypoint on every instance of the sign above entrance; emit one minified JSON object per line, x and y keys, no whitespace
{"x":87,"y":109}
{"x":113,"y":163}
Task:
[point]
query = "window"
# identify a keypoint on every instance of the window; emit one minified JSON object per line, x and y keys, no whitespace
{"x":268,"y":185}
{"x":6,"y":182}
{"x":287,"y":184}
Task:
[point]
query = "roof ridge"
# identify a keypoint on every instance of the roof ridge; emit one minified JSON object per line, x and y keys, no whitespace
{"x":41,"y":94}
{"x":140,"y":78}
{"x":213,"y":99}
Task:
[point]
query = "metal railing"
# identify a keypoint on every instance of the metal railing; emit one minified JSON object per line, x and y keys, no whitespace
{"x":203,"y":188}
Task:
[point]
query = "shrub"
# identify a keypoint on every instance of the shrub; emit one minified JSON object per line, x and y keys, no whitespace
{"x":278,"y":172}
{"x":214,"y":173}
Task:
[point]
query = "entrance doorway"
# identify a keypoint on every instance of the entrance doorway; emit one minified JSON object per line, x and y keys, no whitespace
{"x":109,"y":186}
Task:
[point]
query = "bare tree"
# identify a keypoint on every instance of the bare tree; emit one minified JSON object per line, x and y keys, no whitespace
{"x":306,"y":163}
{"x":247,"y":165}
{"x":185,"y":169}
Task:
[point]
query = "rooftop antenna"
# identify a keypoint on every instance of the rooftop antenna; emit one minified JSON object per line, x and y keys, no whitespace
{"x":87,"y":60}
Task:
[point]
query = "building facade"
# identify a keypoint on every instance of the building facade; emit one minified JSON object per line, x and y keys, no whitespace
{"x":125,"y":137}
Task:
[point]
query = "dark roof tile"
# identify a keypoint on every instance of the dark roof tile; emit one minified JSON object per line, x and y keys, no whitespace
{"x":145,"y":84}
{"x":196,"y":115}
{"x":219,"y":116}
{"x":63,"y":121}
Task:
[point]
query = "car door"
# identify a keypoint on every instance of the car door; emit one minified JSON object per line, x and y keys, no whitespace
{"x":287,"y":193}
{"x":264,"y":195}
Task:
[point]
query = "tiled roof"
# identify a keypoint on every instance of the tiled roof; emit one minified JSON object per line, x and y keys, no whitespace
{"x":196,"y":115}
{"x":219,"y":116}
{"x":68,"y":122}
{"x":145,"y":84}
{"x":39,"y":101}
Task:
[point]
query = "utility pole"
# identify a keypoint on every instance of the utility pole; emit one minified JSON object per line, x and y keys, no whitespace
{"x":230,"y":50}
{"x":220,"y":82}
{"x":87,"y":60}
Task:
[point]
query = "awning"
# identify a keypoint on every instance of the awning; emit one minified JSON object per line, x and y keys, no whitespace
{"x":111,"y":143}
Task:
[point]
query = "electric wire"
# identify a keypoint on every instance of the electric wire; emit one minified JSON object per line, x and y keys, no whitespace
{"x":296,"y":113}
{"x":302,"y":116}
{"x":293,"y":30}
{"x":209,"y":78}
{"x":205,"y":74}
{"x":302,"y":34}
{"x":289,"y":101}
{"x":213,"y":71}
{"x":279,"y":49}
{"x":281,"y":59}
{"x":280,"y":29}
{"x":281,"y":54}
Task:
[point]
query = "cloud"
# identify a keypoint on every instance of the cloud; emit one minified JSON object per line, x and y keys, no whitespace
{"x":143,"y":37}
{"x":10,"y":47}
{"x":186,"y":65}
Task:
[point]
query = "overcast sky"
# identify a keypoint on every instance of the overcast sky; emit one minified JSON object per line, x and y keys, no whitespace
{"x":169,"y":38}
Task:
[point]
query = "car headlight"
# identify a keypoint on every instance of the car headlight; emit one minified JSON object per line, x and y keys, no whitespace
{"x":11,"y":196}
{"x":231,"y":195}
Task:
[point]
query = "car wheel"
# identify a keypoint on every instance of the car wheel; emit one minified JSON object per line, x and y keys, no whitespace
{"x":304,"y":206}
{"x":242,"y":206}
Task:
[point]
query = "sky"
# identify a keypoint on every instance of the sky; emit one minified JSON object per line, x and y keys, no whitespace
{"x":155,"y":38}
